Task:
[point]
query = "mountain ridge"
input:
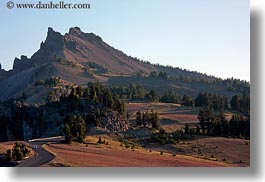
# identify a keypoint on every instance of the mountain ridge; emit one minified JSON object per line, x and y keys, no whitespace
{"x":80,"y":57}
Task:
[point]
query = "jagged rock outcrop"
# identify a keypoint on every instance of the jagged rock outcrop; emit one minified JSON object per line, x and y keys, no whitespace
{"x":78,"y":57}
{"x":22,"y":64}
{"x":80,"y":47}
{"x":53,"y":46}
{"x":114,"y":122}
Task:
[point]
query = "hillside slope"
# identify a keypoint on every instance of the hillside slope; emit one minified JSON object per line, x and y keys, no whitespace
{"x":79,"y":58}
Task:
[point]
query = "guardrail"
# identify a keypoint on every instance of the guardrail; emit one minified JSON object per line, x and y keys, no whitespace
{"x":41,"y":139}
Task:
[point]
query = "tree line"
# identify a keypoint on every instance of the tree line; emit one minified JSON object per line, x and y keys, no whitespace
{"x":148,"y":119}
{"x":212,"y":124}
{"x":136,"y":92}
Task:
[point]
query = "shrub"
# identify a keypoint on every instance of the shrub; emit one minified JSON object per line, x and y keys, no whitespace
{"x":8,"y":155}
{"x":99,"y":140}
{"x":247,"y":143}
{"x":17,"y":155}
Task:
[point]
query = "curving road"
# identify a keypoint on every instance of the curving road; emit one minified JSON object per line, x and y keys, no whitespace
{"x":41,"y":155}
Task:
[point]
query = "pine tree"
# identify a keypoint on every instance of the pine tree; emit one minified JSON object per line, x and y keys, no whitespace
{"x":155,"y":120}
{"x":139,"y":118}
{"x":9,"y":155}
{"x":235,"y":102}
{"x":81,"y":129}
{"x":187,"y":129}
{"x":205,"y":117}
{"x":68,"y":135}
{"x":17,"y":154}
{"x":75,"y":129}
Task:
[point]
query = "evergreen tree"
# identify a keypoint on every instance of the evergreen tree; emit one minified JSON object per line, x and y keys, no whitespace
{"x":235,"y":102}
{"x":75,"y":129}
{"x":68,"y":135}
{"x":155,"y":120}
{"x":81,"y":129}
{"x":16,"y":153}
{"x":205,"y":116}
{"x":139,"y":118}
{"x":9,"y":155}
{"x":187,"y":101}
{"x":187,"y":129}
{"x":153,"y":96}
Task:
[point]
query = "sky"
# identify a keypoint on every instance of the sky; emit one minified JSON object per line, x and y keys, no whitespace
{"x":208,"y":36}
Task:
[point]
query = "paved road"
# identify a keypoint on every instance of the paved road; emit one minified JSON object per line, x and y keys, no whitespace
{"x":41,"y":155}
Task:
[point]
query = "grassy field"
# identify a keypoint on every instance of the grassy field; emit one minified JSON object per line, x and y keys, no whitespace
{"x":231,"y":151}
{"x":114,"y":155}
{"x":172,"y":116}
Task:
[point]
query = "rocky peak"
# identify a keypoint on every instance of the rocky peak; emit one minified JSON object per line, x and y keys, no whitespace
{"x":22,"y":63}
{"x":53,"y":45}
{"x":54,"y":37}
{"x":75,"y":31}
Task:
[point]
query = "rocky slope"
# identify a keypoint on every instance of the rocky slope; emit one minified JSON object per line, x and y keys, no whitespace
{"x":77,"y":57}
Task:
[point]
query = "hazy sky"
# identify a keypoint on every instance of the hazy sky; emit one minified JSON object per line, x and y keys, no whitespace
{"x":209,"y":36}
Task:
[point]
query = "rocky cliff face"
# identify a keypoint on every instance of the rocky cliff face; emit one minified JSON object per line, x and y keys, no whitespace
{"x":22,"y":64}
{"x":77,"y":57}
{"x":66,"y":56}
{"x":53,"y":46}
{"x":80,"y":47}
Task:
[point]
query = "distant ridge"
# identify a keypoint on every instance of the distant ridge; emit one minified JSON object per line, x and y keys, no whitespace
{"x":78,"y":57}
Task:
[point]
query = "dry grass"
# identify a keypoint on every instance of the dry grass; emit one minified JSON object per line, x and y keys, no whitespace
{"x":230,"y":151}
{"x":169,"y":111}
{"x":57,"y":161}
{"x":172,"y":116}
{"x":93,"y":154}
{"x":9,"y":145}
{"x":3,"y":149}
